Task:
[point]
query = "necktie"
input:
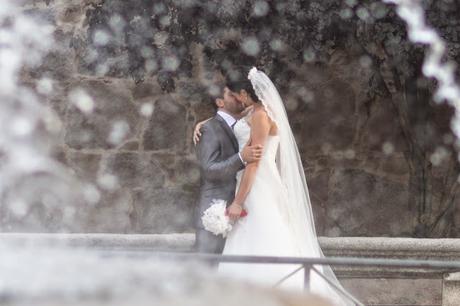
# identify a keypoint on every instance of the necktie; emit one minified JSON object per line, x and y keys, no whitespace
{"x":233,"y":125}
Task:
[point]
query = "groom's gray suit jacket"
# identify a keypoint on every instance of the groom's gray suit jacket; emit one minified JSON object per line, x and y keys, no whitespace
{"x":217,"y":153}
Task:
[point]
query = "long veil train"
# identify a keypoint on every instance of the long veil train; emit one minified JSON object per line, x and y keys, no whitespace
{"x":298,"y":212}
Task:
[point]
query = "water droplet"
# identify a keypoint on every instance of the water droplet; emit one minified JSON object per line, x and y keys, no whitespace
{"x":18,"y":208}
{"x":388,"y":148}
{"x":21,"y":126}
{"x":379,"y":10}
{"x":159,"y":8}
{"x":277,"y":45}
{"x":150,"y":66}
{"x":292,"y":104}
{"x":170,"y":63}
{"x":363,"y":13}
{"x":91,"y":194}
{"x":107,"y":181}
{"x":250,"y":46}
{"x":346,"y":13}
{"x":365,"y":61}
{"x":91,"y":55}
{"x":351,"y":2}
{"x":117,"y":23}
{"x":350,"y":154}
{"x":101,"y":38}
{"x":146,"y":109}
{"x":82,"y":100}
{"x":119,"y":130}
{"x":45,"y":86}
{"x":305,"y":94}
{"x":165,"y":20}
{"x":102,"y":69}
{"x":260,"y":8}
{"x":438,"y":156}
{"x":214,"y":90}
{"x":147,"y":52}
{"x":309,"y":55}
{"x":52,"y":121}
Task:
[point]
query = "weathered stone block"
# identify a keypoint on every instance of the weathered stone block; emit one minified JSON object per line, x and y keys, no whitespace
{"x":451,"y":289}
{"x":163,"y":211}
{"x":84,"y":164}
{"x":361,"y":202}
{"x":167,"y":126}
{"x":136,"y":171}
{"x":112,"y":103}
{"x":396,"y":291}
{"x":112,"y":214}
{"x":331,"y":120}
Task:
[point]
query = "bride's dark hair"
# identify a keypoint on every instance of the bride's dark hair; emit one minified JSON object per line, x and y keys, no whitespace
{"x":247,"y":86}
{"x":250,"y":90}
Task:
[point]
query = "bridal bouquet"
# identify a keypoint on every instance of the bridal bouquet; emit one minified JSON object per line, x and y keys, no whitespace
{"x":215,"y":219}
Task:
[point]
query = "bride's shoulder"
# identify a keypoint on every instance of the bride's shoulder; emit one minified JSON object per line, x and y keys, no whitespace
{"x":259,"y":108}
{"x":260,"y":111}
{"x":260,"y":114}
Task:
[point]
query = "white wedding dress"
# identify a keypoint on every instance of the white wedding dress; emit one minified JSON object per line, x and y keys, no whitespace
{"x":280,"y":220}
{"x":264,"y":231}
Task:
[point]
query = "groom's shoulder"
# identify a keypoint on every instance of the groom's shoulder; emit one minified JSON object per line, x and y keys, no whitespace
{"x":211,"y":123}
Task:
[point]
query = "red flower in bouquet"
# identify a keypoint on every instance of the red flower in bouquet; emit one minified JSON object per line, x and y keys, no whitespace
{"x":243,"y":213}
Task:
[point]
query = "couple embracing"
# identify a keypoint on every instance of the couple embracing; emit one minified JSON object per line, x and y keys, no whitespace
{"x":249,"y":158}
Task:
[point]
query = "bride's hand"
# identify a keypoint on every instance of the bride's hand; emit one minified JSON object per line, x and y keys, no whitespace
{"x":234,"y":211}
{"x":197,"y":133}
{"x":247,"y":110}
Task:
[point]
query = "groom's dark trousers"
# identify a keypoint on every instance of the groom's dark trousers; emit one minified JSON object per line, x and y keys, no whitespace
{"x":217,"y":153}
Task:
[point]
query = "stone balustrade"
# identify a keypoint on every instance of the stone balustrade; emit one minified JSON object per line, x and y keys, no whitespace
{"x":374,"y":286}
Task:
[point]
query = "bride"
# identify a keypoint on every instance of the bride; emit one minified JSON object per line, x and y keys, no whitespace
{"x":274,"y":193}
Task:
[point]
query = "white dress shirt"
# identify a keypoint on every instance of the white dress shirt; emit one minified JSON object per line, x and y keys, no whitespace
{"x":227,"y":117}
{"x":230,"y":121}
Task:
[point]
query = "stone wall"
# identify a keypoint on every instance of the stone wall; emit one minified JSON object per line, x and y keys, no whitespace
{"x":378,"y":153}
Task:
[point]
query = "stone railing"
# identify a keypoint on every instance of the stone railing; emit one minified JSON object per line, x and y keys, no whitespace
{"x":374,"y":286}
{"x":158,"y":242}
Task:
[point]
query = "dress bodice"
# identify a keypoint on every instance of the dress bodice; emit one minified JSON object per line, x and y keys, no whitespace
{"x":242,"y":131}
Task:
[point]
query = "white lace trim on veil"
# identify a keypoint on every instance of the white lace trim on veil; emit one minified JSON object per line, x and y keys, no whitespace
{"x":259,"y":92}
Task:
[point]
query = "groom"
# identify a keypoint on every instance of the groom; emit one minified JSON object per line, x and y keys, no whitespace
{"x":219,"y":159}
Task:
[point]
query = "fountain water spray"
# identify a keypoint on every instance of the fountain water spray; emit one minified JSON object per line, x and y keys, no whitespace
{"x":29,"y":175}
{"x":433,"y":66}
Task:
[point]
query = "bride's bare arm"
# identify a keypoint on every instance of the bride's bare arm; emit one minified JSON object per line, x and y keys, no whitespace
{"x":197,"y":132}
{"x":260,"y":128}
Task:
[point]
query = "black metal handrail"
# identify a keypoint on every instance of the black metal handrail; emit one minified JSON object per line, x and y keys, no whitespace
{"x":334,"y":261}
{"x":307,"y":264}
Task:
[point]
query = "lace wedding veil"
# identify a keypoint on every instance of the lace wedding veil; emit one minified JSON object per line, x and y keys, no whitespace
{"x":298,"y":211}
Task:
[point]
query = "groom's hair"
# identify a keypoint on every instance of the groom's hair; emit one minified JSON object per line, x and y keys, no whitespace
{"x":215,"y":91}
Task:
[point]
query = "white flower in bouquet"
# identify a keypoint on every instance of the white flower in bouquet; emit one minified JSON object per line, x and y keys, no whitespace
{"x":215,"y":220}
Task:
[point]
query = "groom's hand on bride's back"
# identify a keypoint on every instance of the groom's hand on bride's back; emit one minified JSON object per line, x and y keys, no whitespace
{"x":251,"y":153}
